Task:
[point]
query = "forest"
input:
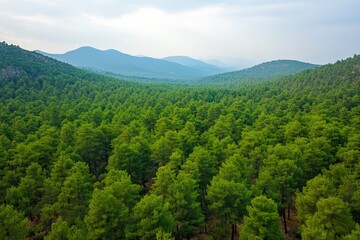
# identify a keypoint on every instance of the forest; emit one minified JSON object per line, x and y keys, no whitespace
{"x":86,"y":156}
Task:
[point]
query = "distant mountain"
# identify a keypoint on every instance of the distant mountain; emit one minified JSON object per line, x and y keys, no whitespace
{"x":259,"y":72}
{"x":118,"y":63}
{"x":206,"y":68}
{"x":233,"y":64}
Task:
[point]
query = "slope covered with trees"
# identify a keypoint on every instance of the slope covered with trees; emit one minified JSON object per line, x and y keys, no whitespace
{"x":84,"y":156}
{"x":257,"y":73}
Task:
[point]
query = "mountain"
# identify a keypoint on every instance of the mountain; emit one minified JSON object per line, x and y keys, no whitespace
{"x":232,"y":63}
{"x":259,"y":72}
{"x":118,"y":63}
{"x":206,"y":68}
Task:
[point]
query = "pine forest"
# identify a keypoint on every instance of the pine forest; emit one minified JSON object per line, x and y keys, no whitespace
{"x":89,"y":156}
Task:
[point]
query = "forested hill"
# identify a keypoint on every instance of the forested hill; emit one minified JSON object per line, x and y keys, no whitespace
{"x":24,"y":62}
{"x":84,"y":156}
{"x":258,"y":73}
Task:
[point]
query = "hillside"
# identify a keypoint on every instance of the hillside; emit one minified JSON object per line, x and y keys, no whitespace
{"x":85,"y":156}
{"x":258,"y":73}
{"x":115,"y":62}
{"x":21,"y":61}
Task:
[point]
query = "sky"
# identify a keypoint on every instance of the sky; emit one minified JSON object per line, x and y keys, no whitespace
{"x":241,"y":32}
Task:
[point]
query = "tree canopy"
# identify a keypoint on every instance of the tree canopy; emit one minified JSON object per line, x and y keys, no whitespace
{"x":85,"y":156}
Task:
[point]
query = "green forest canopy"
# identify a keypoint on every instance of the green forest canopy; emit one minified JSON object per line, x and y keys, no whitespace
{"x":84,"y":156}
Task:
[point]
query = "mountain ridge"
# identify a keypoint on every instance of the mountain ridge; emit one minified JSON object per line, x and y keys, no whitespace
{"x":174,"y":68}
{"x":119,"y":63}
{"x":210,"y":69}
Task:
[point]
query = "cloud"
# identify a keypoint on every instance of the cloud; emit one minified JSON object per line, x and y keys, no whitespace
{"x":317,"y":31}
{"x":162,"y":32}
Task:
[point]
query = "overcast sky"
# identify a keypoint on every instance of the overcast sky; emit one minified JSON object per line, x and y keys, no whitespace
{"x":317,"y":31}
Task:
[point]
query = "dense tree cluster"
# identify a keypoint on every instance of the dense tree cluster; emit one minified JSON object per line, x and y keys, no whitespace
{"x":84,"y":156}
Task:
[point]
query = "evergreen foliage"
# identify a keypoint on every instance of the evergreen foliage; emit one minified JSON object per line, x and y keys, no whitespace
{"x":263,"y":220}
{"x":84,"y":156}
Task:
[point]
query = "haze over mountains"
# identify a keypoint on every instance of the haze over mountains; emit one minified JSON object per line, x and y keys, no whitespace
{"x":113,"y":61}
{"x":180,"y":68}
{"x":209,"y":69}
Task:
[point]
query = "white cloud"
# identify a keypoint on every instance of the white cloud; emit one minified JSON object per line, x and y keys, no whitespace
{"x":159,"y":32}
{"x":318,"y":31}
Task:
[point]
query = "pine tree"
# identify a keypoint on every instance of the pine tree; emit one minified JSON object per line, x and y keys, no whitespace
{"x":332,"y":220}
{"x":107,"y":216}
{"x":75,"y":194}
{"x":150,"y":216}
{"x":263,"y":221}
{"x":12,"y":222}
{"x":189,"y":219}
